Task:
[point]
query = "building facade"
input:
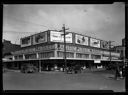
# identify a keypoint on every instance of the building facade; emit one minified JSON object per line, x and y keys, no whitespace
{"x":47,"y":49}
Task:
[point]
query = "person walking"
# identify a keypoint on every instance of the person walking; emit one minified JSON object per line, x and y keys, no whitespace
{"x":117,"y":71}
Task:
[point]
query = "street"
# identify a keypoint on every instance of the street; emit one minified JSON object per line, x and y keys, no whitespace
{"x":56,"y":80}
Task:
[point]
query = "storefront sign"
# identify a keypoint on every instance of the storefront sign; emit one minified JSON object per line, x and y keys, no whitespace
{"x":107,"y":53}
{"x":97,"y":61}
{"x":95,"y":51}
{"x":59,"y":37}
{"x":40,"y":38}
{"x":25,"y":41}
{"x":115,"y":54}
{"x":82,"y":40}
{"x":94,"y":43}
{"x":105,"y":58}
{"x":104,"y":44}
{"x":35,"y":49}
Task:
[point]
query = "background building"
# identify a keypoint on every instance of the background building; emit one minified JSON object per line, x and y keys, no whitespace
{"x":8,"y":48}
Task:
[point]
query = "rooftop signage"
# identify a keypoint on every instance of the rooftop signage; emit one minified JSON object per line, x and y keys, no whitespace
{"x":59,"y":37}
{"x":94,"y":42}
{"x":82,"y":40}
{"x":40,"y":38}
{"x":104,"y":44}
{"x":25,"y":41}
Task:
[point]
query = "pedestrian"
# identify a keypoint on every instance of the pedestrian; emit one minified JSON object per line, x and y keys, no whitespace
{"x":123,"y":71}
{"x":117,"y":71}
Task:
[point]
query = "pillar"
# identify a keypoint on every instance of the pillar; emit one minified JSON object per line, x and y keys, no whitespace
{"x":55,"y":53}
{"x":37,"y":55}
{"x":13,"y":58}
{"x":23,"y":57}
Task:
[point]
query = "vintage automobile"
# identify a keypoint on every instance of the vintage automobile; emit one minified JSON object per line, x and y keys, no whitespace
{"x":74,"y":69}
{"x":28,"y":68}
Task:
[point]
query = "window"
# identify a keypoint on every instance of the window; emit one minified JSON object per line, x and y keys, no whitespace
{"x":46,"y":54}
{"x":96,"y":56}
{"x":30,"y":56}
{"x":79,"y":55}
{"x":68,"y":54}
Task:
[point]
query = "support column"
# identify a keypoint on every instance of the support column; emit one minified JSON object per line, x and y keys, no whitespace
{"x":74,"y":54}
{"x":89,"y":56}
{"x":55,"y":53}
{"x":23,"y":57}
{"x":37,"y":55}
{"x":39,"y":65}
{"x":13,"y":58}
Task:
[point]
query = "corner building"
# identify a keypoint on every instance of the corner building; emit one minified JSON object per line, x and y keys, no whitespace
{"x":46,"y":50}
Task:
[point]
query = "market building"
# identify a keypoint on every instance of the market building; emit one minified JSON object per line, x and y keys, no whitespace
{"x":46,"y":50}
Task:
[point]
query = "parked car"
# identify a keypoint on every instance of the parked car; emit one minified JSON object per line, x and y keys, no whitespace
{"x":28,"y":68}
{"x":74,"y":69}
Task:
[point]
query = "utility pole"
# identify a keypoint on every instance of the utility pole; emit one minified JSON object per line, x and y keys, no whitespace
{"x":110,"y":57}
{"x":65,"y":61}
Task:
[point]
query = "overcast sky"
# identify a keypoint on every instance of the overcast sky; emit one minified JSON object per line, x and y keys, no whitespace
{"x":103,"y":21}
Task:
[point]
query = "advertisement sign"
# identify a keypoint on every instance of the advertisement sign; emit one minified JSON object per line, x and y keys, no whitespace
{"x":94,"y":42}
{"x":82,"y":40}
{"x":25,"y":41}
{"x":59,"y":37}
{"x":104,"y":44}
{"x":97,"y":61}
{"x":40,"y":38}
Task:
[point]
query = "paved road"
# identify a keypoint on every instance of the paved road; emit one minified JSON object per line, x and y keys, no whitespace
{"x":88,"y":80}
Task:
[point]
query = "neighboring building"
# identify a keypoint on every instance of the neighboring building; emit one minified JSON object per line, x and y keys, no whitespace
{"x":120,"y":49}
{"x":8,"y":47}
{"x":47,"y":49}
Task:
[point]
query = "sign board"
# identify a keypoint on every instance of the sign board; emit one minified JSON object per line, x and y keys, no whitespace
{"x":82,"y":40}
{"x":97,"y":61}
{"x":106,"y":53}
{"x":40,"y":38}
{"x":59,"y":37}
{"x":115,"y":54}
{"x":104,"y":44}
{"x":25,"y":41}
{"x":94,"y":42}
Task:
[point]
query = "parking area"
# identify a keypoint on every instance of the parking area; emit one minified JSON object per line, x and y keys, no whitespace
{"x":56,"y":80}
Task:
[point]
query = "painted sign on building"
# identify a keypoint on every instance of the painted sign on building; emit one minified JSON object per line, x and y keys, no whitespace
{"x":82,"y":40}
{"x":40,"y":38}
{"x":59,"y":37}
{"x":94,"y":42}
{"x":104,"y":44}
{"x":25,"y":41}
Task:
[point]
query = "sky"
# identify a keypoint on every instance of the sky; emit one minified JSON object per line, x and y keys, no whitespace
{"x":102,"y":21}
